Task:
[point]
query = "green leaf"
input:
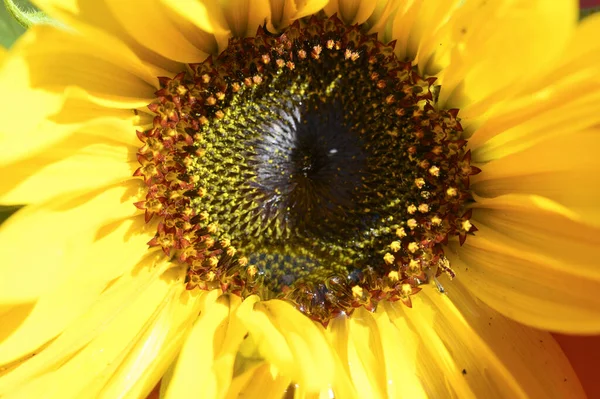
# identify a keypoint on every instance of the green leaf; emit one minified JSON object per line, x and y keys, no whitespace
{"x":10,"y":29}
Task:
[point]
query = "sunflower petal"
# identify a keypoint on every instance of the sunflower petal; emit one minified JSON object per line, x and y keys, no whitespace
{"x":562,"y":101}
{"x":196,"y":362}
{"x":351,"y":11}
{"x":148,"y":360}
{"x":533,"y":263}
{"x":95,"y":19}
{"x":245,"y":16}
{"x":60,"y":231}
{"x":466,"y":349}
{"x":261,"y":382}
{"x":559,"y":168}
{"x":487,"y":39}
{"x":400,"y":357}
{"x":419,"y":27}
{"x":78,"y":163}
{"x":57,"y":59}
{"x":365,"y":355}
{"x":19,"y":133}
{"x":30,"y":325}
{"x":85,"y":373}
{"x":308,"y":7}
{"x":291,"y":342}
{"x":150,"y":26}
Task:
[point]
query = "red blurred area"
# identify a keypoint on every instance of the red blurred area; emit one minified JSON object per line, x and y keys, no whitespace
{"x":589,"y":3}
{"x":584,"y":354}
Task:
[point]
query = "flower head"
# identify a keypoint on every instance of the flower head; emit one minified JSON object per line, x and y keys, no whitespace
{"x":249,"y":196}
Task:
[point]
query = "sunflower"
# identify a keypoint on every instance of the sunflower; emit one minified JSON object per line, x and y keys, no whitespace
{"x":299,"y":199}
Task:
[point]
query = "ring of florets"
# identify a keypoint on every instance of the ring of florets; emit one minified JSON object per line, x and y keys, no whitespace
{"x":191,"y":102}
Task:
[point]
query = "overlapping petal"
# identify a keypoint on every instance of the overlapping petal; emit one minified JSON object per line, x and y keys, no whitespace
{"x":466,"y":349}
{"x":110,"y":340}
{"x":535,"y":262}
{"x":561,"y":101}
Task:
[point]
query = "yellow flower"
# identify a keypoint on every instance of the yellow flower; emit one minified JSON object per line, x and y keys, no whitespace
{"x":88,"y":310}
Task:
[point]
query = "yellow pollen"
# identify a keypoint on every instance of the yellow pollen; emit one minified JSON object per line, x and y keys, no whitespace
{"x":395,"y":246}
{"x":411,"y":223}
{"x":389,"y":258}
{"x":420,"y":182}
{"x":251,"y":270}
{"x":406,"y":289}
{"x":414,"y":266}
{"x":357,"y":291}
{"x":466,"y":225}
{"x":413,"y":247}
{"x":211,"y":276}
{"x":436,"y":220}
{"x":411,"y":209}
{"x":434,"y":171}
{"x":452,"y":192}
{"x":212,"y":228}
{"x":423,"y":208}
{"x":400,"y":232}
{"x":213,"y":261}
{"x":243,"y":261}
{"x":393,"y":275}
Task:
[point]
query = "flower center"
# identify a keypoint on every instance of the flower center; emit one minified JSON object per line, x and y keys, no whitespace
{"x":309,"y":166}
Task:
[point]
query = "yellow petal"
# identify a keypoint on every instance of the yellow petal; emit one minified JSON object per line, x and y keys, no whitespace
{"x":400,"y":355}
{"x":243,"y":17}
{"x":96,"y":20}
{"x":366,"y":355}
{"x":196,"y":362}
{"x":420,"y":28}
{"x":351,"y":11}
{"x":282,"y":12}
{"x":562,"y":168}
{"x":77,"y":163}
{"x":56,"y":59}
{"x":337,"y":335}
{"x":467,"y":350}
{"x":207,"y":17}
{"x":95,"y":364}
{"x":308,"y":7}
{"x":86,"y":327}
{"x":150,"y":26}
{"x":262,"y":382}
{"x":31,"y":325}
{"x":44,"y":244}
{"x":488,"y":40}
{"x":291,"y":342}
{"x":156,"y":349}
{"x":77,"y":115}
{"x":533,"y":264}
{"x":18,"y":132}
{"x":561,"y":101}
{"x":381,"y":18}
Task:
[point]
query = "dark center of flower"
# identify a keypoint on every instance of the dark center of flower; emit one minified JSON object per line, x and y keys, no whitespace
{"x":309,"y":166}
